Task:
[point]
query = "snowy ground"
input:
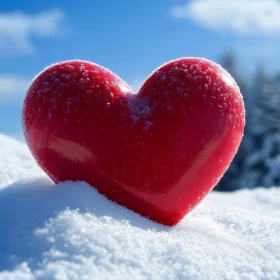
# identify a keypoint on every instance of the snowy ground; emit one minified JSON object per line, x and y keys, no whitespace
{"x":69,"y":231}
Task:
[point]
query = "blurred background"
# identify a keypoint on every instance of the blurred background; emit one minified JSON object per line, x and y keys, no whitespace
{"x":132,"y":38}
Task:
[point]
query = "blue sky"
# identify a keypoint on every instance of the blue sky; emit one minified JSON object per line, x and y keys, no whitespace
{"x":131,"y":38}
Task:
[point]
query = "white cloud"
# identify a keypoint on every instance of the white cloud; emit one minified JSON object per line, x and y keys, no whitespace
{"x":12,"y":87}
{"x":241,"y":16}
{"x":17,"y":30}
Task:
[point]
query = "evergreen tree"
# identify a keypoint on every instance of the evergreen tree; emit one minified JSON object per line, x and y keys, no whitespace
{"x":257,"y":162}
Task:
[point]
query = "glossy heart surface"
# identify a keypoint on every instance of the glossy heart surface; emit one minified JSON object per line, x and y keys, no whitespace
{"x":157,"y":152}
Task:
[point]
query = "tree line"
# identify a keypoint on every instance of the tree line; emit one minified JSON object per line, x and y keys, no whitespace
{"x":257,"y":162}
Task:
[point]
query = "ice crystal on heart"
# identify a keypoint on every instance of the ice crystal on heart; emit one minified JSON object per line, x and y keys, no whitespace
{"x":124,"y":88}
{"x":227,"y":78}
{"x":139,"y":107}
{"x":148,"y":125}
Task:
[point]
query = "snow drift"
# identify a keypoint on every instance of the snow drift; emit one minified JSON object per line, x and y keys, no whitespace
{"x":69,"y":231}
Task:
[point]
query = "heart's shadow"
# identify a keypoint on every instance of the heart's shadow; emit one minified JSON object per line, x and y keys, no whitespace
{"x":28,"y":205}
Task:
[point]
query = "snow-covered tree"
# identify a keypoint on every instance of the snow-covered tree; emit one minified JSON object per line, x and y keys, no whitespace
{"x":257,"y":162}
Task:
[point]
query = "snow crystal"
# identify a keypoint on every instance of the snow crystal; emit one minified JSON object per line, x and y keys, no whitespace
{"x":227,"y":78}
{"x":16,"y":162}
{"x":124,"y":88}
{"x":148,"y":125}
{"x":72,"y":232}
{"x":138,"y":107}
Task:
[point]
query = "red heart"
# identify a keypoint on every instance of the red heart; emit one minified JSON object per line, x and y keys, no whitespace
{"x":158,"y":152}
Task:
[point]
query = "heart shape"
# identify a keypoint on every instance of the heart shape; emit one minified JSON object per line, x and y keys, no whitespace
{"x":158,"y":152}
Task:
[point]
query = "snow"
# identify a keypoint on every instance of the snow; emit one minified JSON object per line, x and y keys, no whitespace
{"x":139,"y":108}
{"x":69,"y":231}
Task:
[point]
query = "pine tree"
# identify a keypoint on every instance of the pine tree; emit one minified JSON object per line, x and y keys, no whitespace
{"x":257,"y":162}
{"x":267,"y":132}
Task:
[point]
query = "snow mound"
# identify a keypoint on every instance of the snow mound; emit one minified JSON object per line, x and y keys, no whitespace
{"x":69,"y":231}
